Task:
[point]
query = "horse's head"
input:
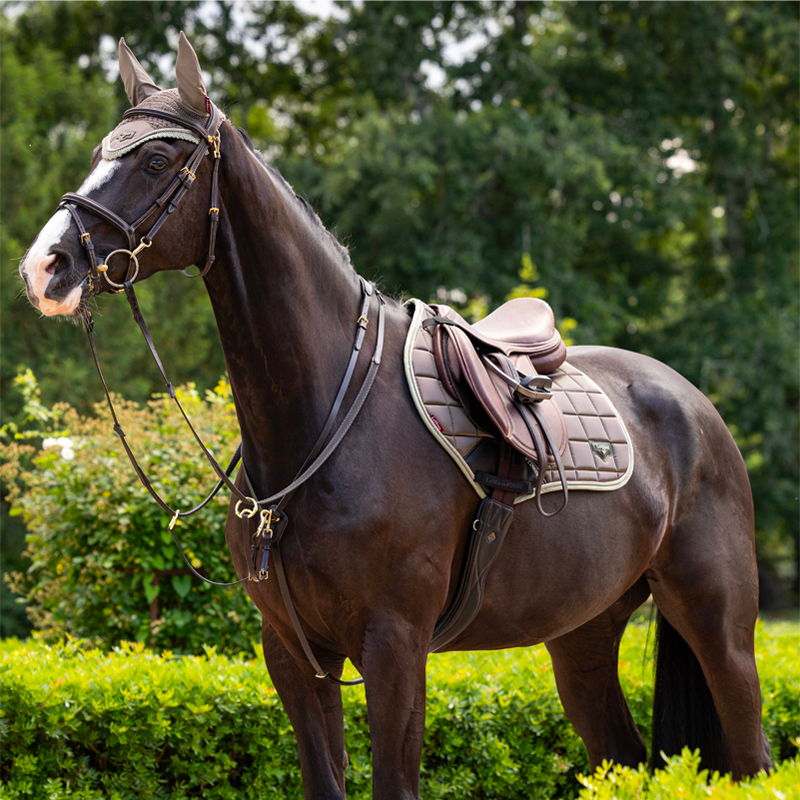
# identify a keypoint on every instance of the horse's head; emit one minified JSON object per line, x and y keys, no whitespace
{"x":120,"y":224}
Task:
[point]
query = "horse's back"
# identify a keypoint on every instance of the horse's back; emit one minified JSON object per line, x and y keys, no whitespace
{"x":672,"y":423}
{"x":560,"y":572}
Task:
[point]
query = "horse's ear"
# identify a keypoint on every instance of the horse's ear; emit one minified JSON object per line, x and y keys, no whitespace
{"x":138,"y":84}
{"x":191,"y":88}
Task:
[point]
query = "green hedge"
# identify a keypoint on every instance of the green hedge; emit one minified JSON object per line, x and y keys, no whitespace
{"x":682,"y":778}
{"x":81,"y":723}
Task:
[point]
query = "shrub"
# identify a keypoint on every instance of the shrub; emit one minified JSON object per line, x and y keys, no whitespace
{"x":132,"y":724}
{"x":103,"y":564}
{"x":683,"y":778}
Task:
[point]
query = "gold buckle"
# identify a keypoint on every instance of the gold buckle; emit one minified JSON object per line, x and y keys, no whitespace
{"x":85,"y":236}
{"x":215,"y":142}
{"x":365,"y":320}
{"x":212,"y":210}
{"x":188,"y":172}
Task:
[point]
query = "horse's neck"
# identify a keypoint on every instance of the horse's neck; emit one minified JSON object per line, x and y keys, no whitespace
{"x":286,"y":303}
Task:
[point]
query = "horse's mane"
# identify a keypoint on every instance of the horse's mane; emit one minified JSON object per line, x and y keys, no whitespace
{"x":305,"y":206}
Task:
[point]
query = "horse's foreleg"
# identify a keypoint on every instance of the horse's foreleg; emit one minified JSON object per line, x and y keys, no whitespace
{"x":314,"y":707}
{"x":393,"y":665}
{"x":585,"y":666}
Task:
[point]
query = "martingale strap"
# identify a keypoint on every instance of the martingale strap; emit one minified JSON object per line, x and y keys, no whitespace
{"x":322,"y":450}
{"x":270,"y":538}
{"x":272,"y":519}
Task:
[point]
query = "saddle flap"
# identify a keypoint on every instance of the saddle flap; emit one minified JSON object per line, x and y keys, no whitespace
{"x":494,"y":395}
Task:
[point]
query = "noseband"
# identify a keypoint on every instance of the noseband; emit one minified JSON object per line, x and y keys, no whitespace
{"x":167,"y":203}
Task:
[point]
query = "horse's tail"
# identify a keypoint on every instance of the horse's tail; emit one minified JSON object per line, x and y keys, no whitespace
{"x":683,"y":708}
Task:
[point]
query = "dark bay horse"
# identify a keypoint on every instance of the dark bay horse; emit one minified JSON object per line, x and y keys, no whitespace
{"x":377,"y":536}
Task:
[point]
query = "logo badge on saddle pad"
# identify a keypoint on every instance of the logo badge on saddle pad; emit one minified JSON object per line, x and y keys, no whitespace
{"x":601,"y":449}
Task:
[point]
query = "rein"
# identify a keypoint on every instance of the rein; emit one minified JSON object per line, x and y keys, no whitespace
{"x":272,"y":520}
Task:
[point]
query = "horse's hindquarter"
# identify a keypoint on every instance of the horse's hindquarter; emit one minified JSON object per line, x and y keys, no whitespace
{"x":553,"y":575}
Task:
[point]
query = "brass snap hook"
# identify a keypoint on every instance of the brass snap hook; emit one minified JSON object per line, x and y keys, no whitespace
{"x":265,"y":525}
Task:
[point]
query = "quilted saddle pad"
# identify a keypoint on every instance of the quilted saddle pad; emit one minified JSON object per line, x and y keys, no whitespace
{"x":599,"y":452}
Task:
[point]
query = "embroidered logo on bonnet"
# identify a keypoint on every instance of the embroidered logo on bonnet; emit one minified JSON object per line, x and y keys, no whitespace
{"x":128,"y":135}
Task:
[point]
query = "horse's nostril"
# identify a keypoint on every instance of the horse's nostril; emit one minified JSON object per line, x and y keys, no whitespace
{"x":50,"y":269}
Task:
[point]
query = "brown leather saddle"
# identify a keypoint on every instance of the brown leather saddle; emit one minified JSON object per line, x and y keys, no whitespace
{"x":495,"y":369}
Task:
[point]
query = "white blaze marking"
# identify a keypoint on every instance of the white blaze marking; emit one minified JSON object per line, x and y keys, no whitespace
{"x":98,"y":176}
{"x":51,"y":234}
{"x":38,"y":258}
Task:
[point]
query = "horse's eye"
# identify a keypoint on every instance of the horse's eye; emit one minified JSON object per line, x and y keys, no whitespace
{"x":158,"y":164}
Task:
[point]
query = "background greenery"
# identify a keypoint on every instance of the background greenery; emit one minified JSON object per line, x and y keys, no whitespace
{"x":102,"y":562}
{"x":643,"y":155}
{"x":131,"y":723}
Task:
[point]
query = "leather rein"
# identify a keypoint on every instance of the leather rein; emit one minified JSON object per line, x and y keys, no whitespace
{"x":272,"y":518}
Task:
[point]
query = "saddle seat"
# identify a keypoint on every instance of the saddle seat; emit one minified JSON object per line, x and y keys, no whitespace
{"x":518,"y":339}
{"x":523,"y":325}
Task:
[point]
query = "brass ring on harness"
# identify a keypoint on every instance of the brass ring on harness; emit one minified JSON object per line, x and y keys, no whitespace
{"x":104,"y":269}
{"x":246,"y":512}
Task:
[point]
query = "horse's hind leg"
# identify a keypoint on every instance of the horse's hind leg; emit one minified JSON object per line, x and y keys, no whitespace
{"x":704,"y":582}
{"x":585,"y":666}
{"x":314,"y":707}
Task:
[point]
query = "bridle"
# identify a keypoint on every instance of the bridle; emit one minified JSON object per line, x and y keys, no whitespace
{"x":270,"y":514}
{"x":167,"y":202}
